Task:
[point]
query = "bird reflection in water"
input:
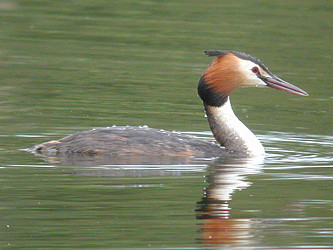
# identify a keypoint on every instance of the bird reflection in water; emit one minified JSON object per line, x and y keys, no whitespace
{"x":214,"y":211}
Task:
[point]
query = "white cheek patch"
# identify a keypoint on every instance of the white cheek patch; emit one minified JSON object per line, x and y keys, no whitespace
{"x":249,"y":78}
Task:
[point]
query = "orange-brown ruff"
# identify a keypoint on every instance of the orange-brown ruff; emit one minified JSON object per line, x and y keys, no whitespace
{"x":227,"y":72}
{"x":222,"y":75}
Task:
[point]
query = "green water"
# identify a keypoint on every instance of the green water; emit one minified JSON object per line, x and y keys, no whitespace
{"x":67,"y":66}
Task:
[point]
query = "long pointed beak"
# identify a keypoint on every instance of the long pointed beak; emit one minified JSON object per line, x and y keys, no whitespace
{"x":277,"y":83}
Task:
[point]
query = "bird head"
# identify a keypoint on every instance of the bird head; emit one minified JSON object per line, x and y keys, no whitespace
{"x":230,"y":70}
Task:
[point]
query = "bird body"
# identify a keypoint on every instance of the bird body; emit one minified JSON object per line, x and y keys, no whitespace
{"x":228,"y":71}
{"x":130,"y":140}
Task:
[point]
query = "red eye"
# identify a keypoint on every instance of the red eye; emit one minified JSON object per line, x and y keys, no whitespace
{"x":255,"y":70}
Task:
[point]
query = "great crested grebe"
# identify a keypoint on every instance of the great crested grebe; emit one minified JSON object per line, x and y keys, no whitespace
{"x":228,"y":71}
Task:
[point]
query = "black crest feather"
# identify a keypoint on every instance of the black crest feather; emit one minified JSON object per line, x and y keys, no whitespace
{"x":241,"y":55}
{"x":212,"y":52}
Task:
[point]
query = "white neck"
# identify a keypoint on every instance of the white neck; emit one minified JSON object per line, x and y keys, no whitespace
{"x":230,"y":132}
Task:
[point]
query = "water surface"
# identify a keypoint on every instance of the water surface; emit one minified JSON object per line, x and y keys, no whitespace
{"x":71,"y":66}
